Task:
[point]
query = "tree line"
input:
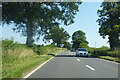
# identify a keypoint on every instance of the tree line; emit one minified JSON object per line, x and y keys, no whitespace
{"x":35,"y":19}
{"x":109,"y":21}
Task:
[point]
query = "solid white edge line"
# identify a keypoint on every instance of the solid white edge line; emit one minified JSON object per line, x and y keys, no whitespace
{"x":107,"y":61}
{"x":90,"y":67}
{"x":26,"y":76}
{"x":78,"y":59}
{"x":37,"y":68}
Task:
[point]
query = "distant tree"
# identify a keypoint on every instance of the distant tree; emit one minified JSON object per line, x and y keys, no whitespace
{"x":83,"y":45}
{"x":57,"y":35}
{"x":67,"y":45}
{"x":33,"y":19}
{"x":42,"y":45}
{"x":109,"y":21}
{"x":78,"y":37}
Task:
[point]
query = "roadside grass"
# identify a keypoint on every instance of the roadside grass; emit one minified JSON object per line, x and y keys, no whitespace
{"x":105,"y":53}
{"x":15,"y":66}
{"x":110,"y":58}
{"x":18,"y":59}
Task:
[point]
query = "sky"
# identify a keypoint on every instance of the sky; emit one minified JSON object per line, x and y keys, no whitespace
{"x":85,"y":20}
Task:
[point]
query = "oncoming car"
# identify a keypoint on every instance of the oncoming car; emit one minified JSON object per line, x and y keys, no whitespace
{"x":82,"y":52}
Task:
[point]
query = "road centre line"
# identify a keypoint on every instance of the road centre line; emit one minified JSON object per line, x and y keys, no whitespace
{"x":90,"y":67}
{"x":78,"y":59}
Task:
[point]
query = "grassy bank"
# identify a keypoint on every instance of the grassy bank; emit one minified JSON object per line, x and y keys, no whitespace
{"x":110,"y":58}
{"x":105,"y":53}
{"x":17,"y":59}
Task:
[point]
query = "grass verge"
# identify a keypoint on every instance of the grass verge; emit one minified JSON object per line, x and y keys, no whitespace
{"x":17,"y":62}
{"x":115,"y":59}
{"x":110,"y":58}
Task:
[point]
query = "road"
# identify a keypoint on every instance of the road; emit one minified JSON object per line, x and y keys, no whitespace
{"x":66,"y":65}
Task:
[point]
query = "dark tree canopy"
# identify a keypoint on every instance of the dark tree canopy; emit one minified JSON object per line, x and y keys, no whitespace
{"x":109,"y":21}
{"x":67,"y":45}
{"x":78,"y":37}
{"x":35,"y":18}
{"x":57,"y":35}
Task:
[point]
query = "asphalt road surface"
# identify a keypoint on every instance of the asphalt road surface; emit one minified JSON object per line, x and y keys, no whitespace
{"x":66,"y":65}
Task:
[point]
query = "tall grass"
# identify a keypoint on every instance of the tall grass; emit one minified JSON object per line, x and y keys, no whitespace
{"x":19,"y":58}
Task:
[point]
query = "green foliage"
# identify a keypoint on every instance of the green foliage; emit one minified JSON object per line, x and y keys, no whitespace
{"x":102,"y":51}
{"x":67,"y":45}
{"x":36,"y":18}
{"x":109,"y":22}
{"x":57,"y":35}
{"x":9,"y":44}
{"x":19,"y":58}
{"x":115,"y":53}
{"x":78,"y":37}
{"x":83,"y":45}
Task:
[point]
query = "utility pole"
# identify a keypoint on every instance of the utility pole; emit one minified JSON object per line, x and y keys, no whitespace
{"x":95,"y":44}
{"x":95,"y":49}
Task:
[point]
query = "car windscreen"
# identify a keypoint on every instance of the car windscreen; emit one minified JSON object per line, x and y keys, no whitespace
{"x":81,"y":49}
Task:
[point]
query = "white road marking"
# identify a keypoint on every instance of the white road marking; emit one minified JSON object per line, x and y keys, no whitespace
{"x":37,"y":68}
{"x":26,"y":76}
{"x":107,"y":61}
{"x":90,"y":67}
{"x":78,"y":59}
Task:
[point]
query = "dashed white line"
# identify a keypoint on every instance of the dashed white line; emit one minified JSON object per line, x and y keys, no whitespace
{"x":78,"y":59}
{"x":90,"y":67}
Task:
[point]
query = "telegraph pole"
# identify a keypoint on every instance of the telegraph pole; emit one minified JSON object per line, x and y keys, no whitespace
{"x":95,"y":44}
{"x":95,"y":48}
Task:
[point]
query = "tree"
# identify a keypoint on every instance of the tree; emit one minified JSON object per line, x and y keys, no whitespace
{"x":83,"y":45}
{"x":33,"y":19}
{"x":78,"y":37}
{"x":57,"y":35}
{"x":67,"y":45}
{"x":109,"y":21}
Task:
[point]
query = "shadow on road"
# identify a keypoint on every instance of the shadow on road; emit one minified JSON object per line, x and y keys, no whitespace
{"x":85,"y":57}
{"x":65,"y":56}
{"x":74,"y":56}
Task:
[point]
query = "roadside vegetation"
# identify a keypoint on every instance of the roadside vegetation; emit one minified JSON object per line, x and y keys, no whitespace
{"x":105,"y":53}
{"x":109,"y":22}
{"x":17,"y":58}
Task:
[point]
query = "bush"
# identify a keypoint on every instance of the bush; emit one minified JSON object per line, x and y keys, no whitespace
{"x":40,"y":50}
{"x":115,"y":53}
{"x":9,"y":44}
{"x":99,"y":51}
{"x":90,"y":50}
